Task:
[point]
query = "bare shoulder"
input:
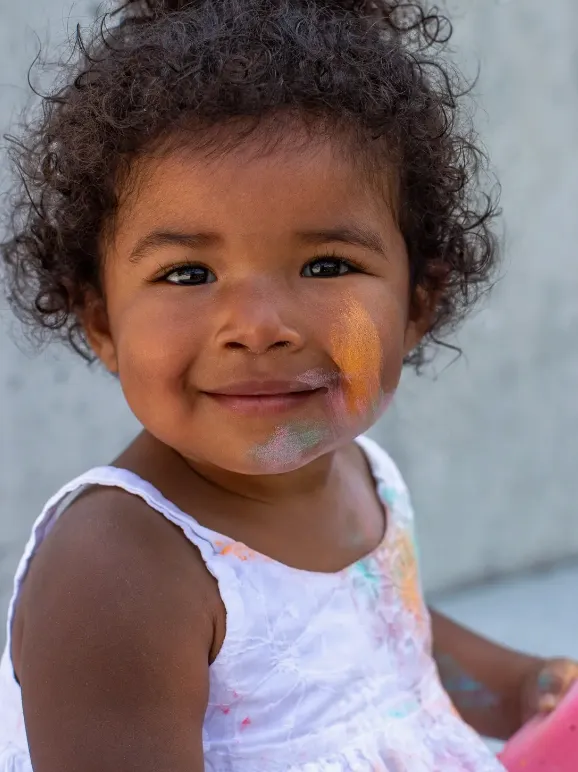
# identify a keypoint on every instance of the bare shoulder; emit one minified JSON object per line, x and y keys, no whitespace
{"x":117,"y":624}
{"x":110,"y":547}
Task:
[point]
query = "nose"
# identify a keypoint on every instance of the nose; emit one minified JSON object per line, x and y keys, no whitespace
{"x":255,"y":320}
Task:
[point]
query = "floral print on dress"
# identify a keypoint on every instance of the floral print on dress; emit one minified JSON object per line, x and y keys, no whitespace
{"x":318,"y":672}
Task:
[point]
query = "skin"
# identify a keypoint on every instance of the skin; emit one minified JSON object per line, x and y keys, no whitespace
{"x":483,"y":679}
{"x":494,"y":688}
{"x":358,"y":353}
{"x":260,"y":318}
{"x":109,"y":689}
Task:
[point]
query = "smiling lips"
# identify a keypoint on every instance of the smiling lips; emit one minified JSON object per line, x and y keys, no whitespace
{"x":265,"y":396}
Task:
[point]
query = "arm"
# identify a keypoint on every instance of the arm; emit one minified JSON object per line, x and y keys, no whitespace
{"x":113,"y":661}
{"x":484,"y":680}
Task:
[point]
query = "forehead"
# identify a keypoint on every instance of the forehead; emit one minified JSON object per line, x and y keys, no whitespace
{"x":252,"y":184}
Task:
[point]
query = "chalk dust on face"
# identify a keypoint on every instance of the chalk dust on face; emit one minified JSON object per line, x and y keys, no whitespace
{"x":354,"y":392}
{"x":173,"y":344}
{"x":357,"y":352}
{"x":290,"y":444}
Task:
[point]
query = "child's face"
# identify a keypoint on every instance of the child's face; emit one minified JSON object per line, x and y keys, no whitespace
{"x":257,"y":308}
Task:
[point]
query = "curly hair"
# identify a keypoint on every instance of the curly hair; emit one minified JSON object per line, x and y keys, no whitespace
{"x":373,"y":68}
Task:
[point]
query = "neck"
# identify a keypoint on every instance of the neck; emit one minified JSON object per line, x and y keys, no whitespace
{"x":311,"y":480}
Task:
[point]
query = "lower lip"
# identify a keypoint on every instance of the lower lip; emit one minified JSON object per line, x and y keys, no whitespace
{"x":265,"y":404}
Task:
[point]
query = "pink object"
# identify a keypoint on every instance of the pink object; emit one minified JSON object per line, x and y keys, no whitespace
{"x":546,"y":744}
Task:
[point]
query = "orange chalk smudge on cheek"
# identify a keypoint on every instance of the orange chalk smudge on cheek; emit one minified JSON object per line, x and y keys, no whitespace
{"x":356,"y":349}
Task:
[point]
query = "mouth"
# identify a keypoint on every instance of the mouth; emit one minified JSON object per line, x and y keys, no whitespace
{"x":262,"y":397}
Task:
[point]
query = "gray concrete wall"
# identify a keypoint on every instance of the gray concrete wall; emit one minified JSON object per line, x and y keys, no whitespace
{"x":490,"y":446}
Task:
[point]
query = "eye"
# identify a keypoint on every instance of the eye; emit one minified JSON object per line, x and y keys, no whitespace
{"x":328,"y":268}
{"x":189,"y":276}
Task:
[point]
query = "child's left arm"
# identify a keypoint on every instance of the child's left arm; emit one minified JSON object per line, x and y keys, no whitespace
{"x":496,"y":689}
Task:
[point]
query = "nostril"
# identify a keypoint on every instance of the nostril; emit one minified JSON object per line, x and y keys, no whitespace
{"x":235,"y":345}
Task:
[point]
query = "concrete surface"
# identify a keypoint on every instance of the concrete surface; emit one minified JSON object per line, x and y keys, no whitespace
{"x":535,"y":612}
{"x":489,"y":448}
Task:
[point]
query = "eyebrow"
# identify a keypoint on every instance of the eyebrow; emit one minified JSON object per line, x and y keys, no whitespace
{"x":162,"y":238}
{"x":354,"y":235}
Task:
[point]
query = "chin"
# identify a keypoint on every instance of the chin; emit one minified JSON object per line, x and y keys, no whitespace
{"x":257,"y":461}
{"x":276,"y":466}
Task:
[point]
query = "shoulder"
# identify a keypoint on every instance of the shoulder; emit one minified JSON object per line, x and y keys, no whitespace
{"x":117,"y":630}
{"x":384,"y":468}
{"x":110,"y":560}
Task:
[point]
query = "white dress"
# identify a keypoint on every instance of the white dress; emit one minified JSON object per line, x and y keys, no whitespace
{"x":318,"y":672}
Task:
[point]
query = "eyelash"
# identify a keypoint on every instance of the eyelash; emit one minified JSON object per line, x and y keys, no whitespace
{"x":353,"y":266}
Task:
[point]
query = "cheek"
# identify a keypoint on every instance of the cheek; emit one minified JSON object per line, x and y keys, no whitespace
{"x":156,"y":342}
{"x":369,"y":361}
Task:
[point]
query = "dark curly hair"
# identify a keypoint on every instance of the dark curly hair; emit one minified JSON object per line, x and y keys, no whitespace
{"x":369,"y":68}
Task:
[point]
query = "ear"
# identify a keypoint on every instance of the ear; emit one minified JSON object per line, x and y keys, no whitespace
{"x":422,"y":311}
{"x":96,"y":327}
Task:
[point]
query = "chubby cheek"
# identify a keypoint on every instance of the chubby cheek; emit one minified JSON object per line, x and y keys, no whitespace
{"x":155,"y":345}
{"x":369,"y":358}
{"x":368,"y":355}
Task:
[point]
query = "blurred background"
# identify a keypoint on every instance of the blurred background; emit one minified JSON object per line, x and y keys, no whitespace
{"x":488,"y":445}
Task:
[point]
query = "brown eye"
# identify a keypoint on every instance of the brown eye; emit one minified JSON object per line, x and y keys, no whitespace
{"x":190,"y":276}
{"x":327,"y":268}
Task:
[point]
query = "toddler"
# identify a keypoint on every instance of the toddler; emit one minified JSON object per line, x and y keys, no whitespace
{"x":253,"y":213}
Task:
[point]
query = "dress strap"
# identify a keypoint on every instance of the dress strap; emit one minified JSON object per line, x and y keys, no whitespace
{"x":211,"y":545}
